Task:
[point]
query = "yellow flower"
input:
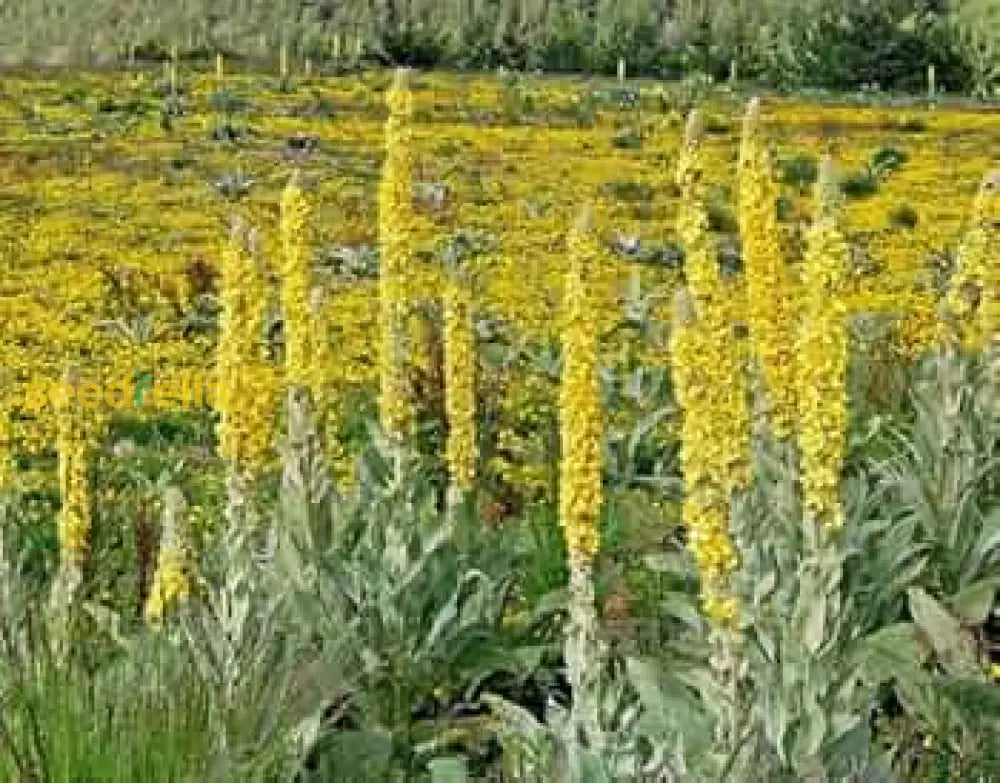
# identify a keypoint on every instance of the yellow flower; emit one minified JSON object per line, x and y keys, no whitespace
{"x":247,"y":384}
{"x":460,"y":382}
{"x":709,"y":372}
{"x":823,"y":356}
{"x":973,"y":300}
{"x":73,"y":446}
{"x":396,"y":257}
{"x":771,"y":289}
{"x":171,"y":581}
{"x":6,"y":441}
{"x":580,"y":410}
{"x":296,"y":283}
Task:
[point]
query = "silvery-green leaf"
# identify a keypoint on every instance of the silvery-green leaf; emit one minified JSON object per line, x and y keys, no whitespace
{"x":974,"y":602}
{"x":945,"y":634}
{"x":448,"y":770}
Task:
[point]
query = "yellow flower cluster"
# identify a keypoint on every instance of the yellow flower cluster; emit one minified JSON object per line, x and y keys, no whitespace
{"x":248,"y":384}
{"x":172,"y":579}
{"x":709,"y":371}
{"x":6,"y":441}
{"x":771,"y":286}
{"x":823,"y":356}
{"x":395,"y":259}
{"x":74,"y":447}
{"x":460,"y":382}
{"x":581,"y":415}
{"x":296,"y":277}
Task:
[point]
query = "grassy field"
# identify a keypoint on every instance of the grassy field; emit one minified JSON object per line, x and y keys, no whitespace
{"x":399,"y":633}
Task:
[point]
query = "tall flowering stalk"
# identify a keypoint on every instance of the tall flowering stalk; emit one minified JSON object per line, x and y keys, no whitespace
{"x":972,"y":296}
{"x":247,"y":385}
{"x":581,"y":468}
{"x":709,"y":371}
{"x":460,"y":386}
{"x":395,"y":257}
{"x":305,"y":476}
{"x":296,"y":284}
{"x":823,"y":356}
{"x":988,"y":213}
{"x":172,"y":579}
{"x":972,"y":307}
{"x":73,"y":444}
{"x":771,"y":287}
{"x":6,"y":443}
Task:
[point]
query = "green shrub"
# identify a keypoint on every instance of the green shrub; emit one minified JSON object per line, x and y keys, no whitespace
{"x":799,"y":171}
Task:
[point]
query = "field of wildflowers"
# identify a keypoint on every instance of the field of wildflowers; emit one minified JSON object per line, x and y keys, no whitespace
{"x":561,"y":429}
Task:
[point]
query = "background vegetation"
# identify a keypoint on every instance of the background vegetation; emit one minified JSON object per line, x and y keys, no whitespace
{"x":839,"y":44}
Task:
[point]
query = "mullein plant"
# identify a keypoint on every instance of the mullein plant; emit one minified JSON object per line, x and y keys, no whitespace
{"x":395,"y":257}
{"x":460,"y":387}
{"x":804,"y":695}
{"x":172,"y":578}
{"x":296,"y":284}
{"x":975,"y":269}
{"x":822,"y":356}
{"x":6,"y":443}
{"x":989,"y":306}
{"x":327,"y":396}
{"x":581,"y":491}
{"x":74,"y":444}
{"x":305,"y":478}
{"x":247,"y":383}
{"x":972,"y":306}
{"x":709,"y":370}
{"x":771,"y":285}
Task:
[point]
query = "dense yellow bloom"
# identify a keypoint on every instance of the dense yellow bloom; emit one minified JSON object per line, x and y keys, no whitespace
{"x":172,"y":579}
{"x":580,"y":409}
{"x":460,"y":382}
{"x":296,"y":275}
{"x":247,"y":384}
{"x":725,"y":381}
{"x":771,"y":289}
{"x":395,"y":258}
{"x":709,"y":371}
{"x":706,"y":503}
{"x":823,"y":356}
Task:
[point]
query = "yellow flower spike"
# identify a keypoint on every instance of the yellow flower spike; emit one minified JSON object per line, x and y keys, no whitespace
{"x":6,"y":432}
{"x":247,"y":386}
{"x":823,"y":355}
{"x":723,"y":373}
{"x":710,"y":382}
{"x":771,"y":288}
{"x":580,"y":409}
{"x":460,"y":382}
{"x":296,"y":275}
{"x":321,"y":353}
{"x":396,"y":221}
{"x":973,"y":300}
{"x":172,"y":579}
{"x":73,"y":446}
